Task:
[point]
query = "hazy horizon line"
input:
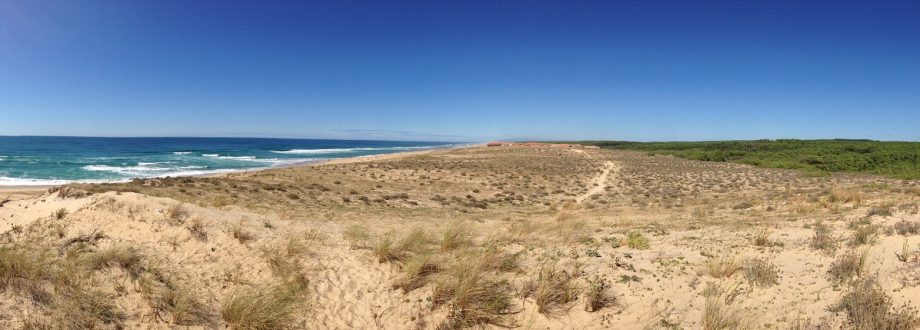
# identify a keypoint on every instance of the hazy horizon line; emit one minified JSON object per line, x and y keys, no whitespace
{"x":485,"y":140}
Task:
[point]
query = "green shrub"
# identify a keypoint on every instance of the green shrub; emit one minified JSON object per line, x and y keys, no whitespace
{"x":635,"y":240}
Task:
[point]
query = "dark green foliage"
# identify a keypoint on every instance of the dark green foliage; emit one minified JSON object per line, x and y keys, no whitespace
{"x":894,"y":159}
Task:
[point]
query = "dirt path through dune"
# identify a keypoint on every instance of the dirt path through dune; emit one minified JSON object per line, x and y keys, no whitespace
{"x":598,"y":184}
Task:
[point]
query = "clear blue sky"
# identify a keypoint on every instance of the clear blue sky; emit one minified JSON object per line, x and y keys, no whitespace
{"x":462,"y":70}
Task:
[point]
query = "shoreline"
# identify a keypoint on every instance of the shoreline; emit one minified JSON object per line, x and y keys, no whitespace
{"x":331,"y":161}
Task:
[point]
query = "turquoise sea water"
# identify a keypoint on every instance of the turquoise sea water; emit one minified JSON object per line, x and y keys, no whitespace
{"x":37,"y":160}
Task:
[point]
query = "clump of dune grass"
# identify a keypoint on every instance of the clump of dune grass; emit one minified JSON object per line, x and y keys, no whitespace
{"x":555,"y":289}
{"x":863,"y":235}
{"x":847,"y":266}
{"x":456,"y":235}
{"x":472,"y":294}
{"x":284,"y":259}
{"x":415,"y":271}
{"x":85,"y":309}
{"x":24,"y":270}
{"x":242,"y":235}
{"x":846,"y":196}
{"x":357,"y":236}
{"x":278,"y":306}
{"x":388,"y":249}
{"x":181,"y":303}
{"x":127,"y":258}
{"x":868,"y":308}
{"x":905,"y":252}
{"x":81,"y":241}
{"x":494,"y":258}
{"x":722,"y":266}
{"x":185,"y":308}
{"x":597,"y":295}
{"x":761,"y":272}
{"x":762,"y":238}
{"x":823,"y":239}
{"x":176,"y":213}
{"x":196,"y":228}
{"x":635,"y":240}
{"x":60,"y":213}
{"x":720,"y":310}
{"x":881,"y":211}
{"x":719,"y":315}
{"x":56,"y":282}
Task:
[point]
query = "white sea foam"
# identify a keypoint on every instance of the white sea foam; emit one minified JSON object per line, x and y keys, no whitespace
{"x":8,"y":181}
{"x":346,"y":150}
{"x":155,"y":172}
{"x":255,"y":159}
{"x":181,"y":152}
{"x":313,"y":151}
{"x":238,"y":157}
{"x":140,"y":170}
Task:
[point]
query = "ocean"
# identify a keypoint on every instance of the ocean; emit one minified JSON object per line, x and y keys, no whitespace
{"x":44,"y":160}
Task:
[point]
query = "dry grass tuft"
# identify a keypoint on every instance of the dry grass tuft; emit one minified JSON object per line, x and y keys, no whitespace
{"x":24,"y":270}
{"x":722,"y":266}
{"x":59,"y":213}
{"x":84,"y":309}
{"x":846,"y":196}
{"x":455,"y":236}
{"x":56,"y":282}
{"x":473,"y":296}
{"x":275,"y":307}
{"x":864,"y":235}
{"x":761,"y":272}
{"x":389,"y":250}
{"x":284,"y":259}
{"x":847,"y":266}
{"x":81,"y":241}
{"x":824,"y":239}
{"x":905,"y":252}
{"x":555,"y":289}
{"x":386,"y":250}
{"x":357,"y":236}
{"x":176,"y":214}
{"x":197,"y":230}
{"x":868,"y":308}
{"x":762,"y":238}
{"x":720,"y":310}
{"x":598,"y":296}
{"x":719,"y":315}
{"x":125,"y":257}
{"x":242,"y":235}
{"x":882,"y":211}
{"x":182,"y":304}
{"x":415,"y":271}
